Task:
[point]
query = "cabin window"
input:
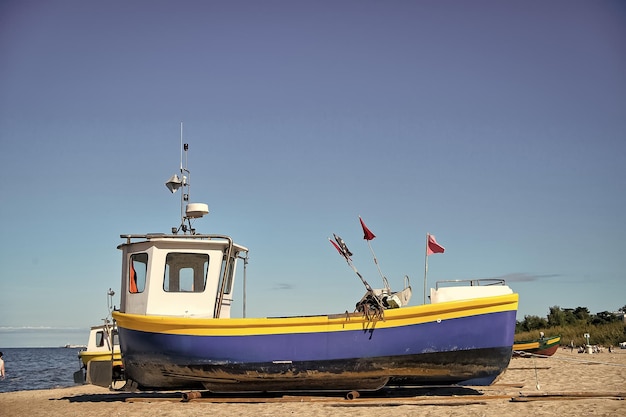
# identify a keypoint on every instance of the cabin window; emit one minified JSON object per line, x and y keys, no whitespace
{"x":100,"y":338}
{"x":229,"y":275}
{"x":137,"y":273}
{"x":185,"y":272}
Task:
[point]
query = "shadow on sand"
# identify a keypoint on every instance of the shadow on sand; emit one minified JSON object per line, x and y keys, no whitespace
{"x":260,"y":397}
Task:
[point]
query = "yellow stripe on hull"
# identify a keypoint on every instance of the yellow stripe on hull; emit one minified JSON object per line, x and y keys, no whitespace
{"x":87,"y":356}
{"x":525,"y":346}
{"x":536,"y":344}
{"x":312,"y":324}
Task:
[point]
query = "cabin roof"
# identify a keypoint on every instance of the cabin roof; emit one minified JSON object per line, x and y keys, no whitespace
{"x":181,"y":240}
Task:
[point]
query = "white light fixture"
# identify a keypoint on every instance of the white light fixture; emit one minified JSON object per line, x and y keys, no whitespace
{"x":174,"y":183}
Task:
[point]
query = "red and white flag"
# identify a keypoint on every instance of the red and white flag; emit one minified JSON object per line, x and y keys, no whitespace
{"x":341,"y":247}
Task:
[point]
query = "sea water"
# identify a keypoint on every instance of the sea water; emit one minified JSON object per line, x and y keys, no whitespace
{"x":39,"y":368}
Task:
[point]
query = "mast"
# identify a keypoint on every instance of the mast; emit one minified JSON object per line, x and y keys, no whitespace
{"x":188,"y":210}
{"x":425,"y":266}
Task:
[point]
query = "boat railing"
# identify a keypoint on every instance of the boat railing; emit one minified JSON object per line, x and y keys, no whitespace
{"x":470,"y":282}
{"x":149,"y":236}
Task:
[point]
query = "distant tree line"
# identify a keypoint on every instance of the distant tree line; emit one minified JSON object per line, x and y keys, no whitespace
{"x":562,"y":317}
{"x":606,"y":328}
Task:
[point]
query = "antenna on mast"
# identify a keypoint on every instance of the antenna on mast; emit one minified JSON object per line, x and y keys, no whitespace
{"x":181,"y":146}
{"x":192,"y":210}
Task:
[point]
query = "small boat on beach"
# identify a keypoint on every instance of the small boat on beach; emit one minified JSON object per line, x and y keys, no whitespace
{"x":546,"y":346}
{"x":176,"y":330}
{"x":101,"y":360}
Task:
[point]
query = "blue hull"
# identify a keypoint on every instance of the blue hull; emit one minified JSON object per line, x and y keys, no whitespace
{"x":470,"y":350}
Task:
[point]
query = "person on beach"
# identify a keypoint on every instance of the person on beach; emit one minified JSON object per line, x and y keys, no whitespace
{"x":2,"y":373}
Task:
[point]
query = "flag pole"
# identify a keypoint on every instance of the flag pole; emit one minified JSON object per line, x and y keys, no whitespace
{"x":343,"y":251}
{"x":425,"y":266}
{"x":369,"y":236}
{"x":384,"y":278}
{"x":367,"y":286}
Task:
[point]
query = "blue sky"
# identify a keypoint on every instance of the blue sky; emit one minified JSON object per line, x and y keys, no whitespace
{"x":500,"y":127}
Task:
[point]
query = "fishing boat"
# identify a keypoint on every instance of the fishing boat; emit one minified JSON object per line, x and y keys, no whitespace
{"x":101,"y":360}
{"x":176,"y":329}
{"x":546,"y":346}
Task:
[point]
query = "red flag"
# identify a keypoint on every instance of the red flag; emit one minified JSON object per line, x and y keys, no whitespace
{"x":433,"y":246}
{"x":368,"y":235}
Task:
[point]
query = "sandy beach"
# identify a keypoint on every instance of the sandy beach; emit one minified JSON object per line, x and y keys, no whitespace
{"x":567,"y":383}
